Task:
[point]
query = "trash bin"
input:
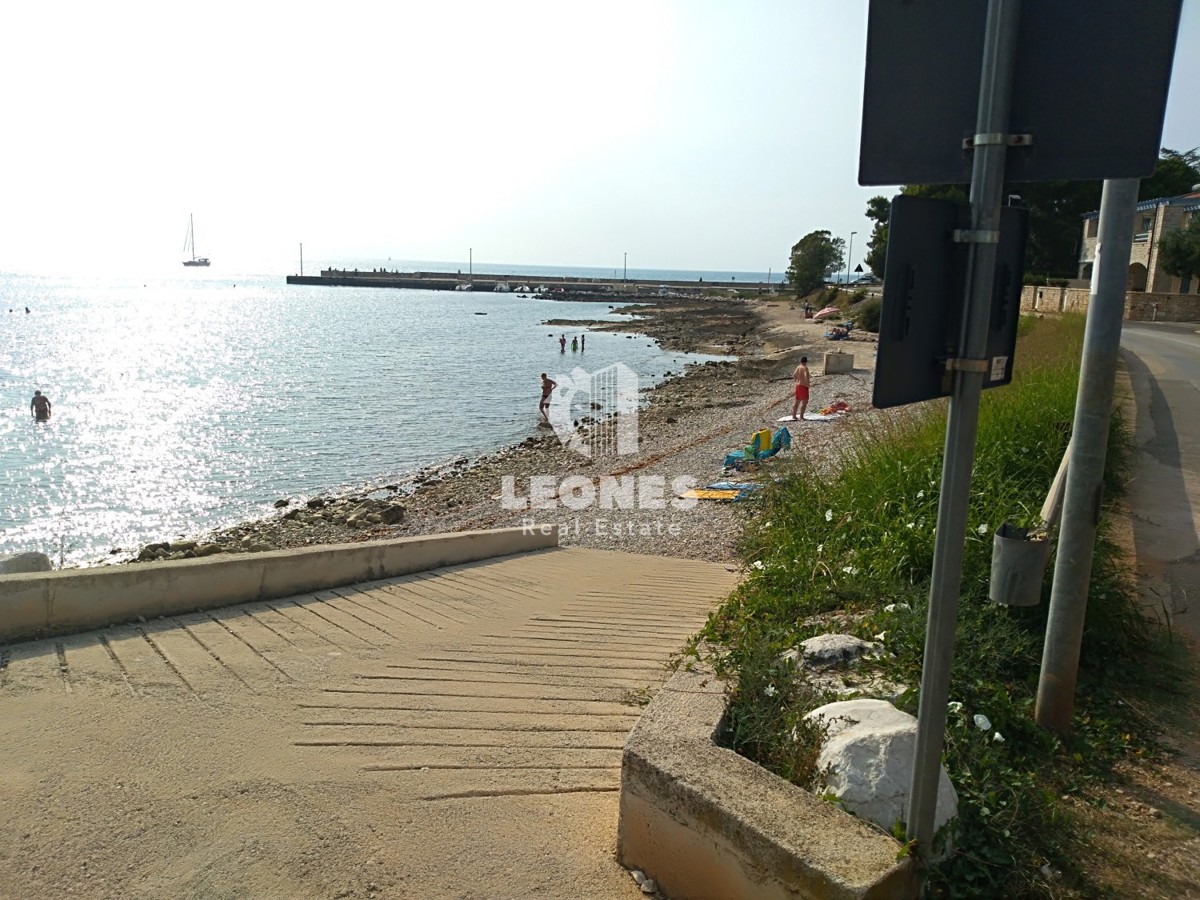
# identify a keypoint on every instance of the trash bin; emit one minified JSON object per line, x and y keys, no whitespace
{"x":1018,"y":565}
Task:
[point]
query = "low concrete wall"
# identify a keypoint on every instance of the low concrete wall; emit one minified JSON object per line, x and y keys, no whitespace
{"x":47,"y":603}
{"x":707,"y":823}
{"x":1139,"y":306}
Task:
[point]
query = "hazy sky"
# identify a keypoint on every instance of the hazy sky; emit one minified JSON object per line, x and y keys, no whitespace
{"x":697,"y":134}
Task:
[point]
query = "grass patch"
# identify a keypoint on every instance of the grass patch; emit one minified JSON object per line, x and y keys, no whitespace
{"x":863,"y":539}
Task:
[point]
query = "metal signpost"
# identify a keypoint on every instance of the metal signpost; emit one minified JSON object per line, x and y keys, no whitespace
{"x":1068,"y":111}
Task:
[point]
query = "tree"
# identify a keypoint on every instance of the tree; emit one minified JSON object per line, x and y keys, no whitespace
{"x":1174,"y":175}
{"x":815,"y":256}
{"x":1179,"y":251}
{"x":879,"y":210}
{"x":1056,"y":211}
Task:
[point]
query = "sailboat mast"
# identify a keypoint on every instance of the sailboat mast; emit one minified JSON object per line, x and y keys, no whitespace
{"x":192,"y":232}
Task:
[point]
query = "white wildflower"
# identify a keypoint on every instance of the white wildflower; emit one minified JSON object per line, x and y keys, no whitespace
{"x":998,"y":737}
{"x":758,"y":564}
{"x":983,"y":528}
{"x":954,"y":706}
{"x":820,"y":547}
{"x":912,"y":524}
{"x":881,"y":636}
{"x":829,"y":515}
{"x":850,"y":570}
{"x":920,"y":494}
{"x":982,"y":722}
{"x":770,"y":690}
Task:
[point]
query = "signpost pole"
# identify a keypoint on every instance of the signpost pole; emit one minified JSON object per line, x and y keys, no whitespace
{"x":1089,"y":443}
{"x":987,"y":183}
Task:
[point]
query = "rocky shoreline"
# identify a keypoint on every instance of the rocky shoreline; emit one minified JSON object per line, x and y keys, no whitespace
{"x":685,"y":427}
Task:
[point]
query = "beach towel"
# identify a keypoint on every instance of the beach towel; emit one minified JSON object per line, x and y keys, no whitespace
{"x":724,"y":491}
{"x":706,"y":494}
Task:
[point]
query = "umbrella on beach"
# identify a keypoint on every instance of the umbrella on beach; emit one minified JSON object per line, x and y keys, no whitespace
{"x":828,"y":311}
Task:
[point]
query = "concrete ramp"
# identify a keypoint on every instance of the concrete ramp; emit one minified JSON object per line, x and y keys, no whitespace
{"x":453,"y":733}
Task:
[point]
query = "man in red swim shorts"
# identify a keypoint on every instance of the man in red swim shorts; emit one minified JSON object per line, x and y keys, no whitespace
{"x":801,"y":378}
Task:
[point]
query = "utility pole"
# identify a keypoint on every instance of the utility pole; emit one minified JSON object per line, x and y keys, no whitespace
{"x":1089,"y":444}
{"x":470,"y":262}
{"x":987,"y":184}
{"x":849,"y":255}
{"x":625,"y":267}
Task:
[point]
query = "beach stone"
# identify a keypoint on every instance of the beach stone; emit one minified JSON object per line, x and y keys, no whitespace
{"x":208,"y":549}
{"x":374,"y":518}
{"x":292,"y":514}
{"x":868,"y":756}
{"x":829,"y":649}
{"x":31,"y":561}
{"x":393,"y":514}
{"x":182,"y":546}
{"x":315,"y":503}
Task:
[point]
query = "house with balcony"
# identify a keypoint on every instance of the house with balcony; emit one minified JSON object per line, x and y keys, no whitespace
{"x":1152,"y":220}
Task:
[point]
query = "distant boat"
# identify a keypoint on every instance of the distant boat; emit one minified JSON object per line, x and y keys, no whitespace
{"x":189,"y":245}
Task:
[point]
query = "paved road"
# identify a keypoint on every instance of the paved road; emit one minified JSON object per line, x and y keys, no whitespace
{"x":447,"y":734}
{"x":1163,"y":361}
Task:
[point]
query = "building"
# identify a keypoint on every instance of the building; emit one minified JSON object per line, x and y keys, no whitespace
{"x":1152,"y":220}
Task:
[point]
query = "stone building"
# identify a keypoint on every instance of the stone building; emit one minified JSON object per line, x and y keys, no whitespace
{"x":1152,"y":220}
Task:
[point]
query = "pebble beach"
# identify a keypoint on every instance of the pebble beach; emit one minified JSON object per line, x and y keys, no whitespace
{"x":686,"y":426}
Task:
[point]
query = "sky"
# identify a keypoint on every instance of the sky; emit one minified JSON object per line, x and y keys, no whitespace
{"x":685,"y":134}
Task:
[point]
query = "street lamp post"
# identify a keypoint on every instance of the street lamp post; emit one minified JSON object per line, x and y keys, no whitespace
{"x":625,"y":267}
{"x":849,"y":255}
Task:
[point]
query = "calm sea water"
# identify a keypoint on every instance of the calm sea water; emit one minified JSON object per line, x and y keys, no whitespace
{"x":196,"y":401}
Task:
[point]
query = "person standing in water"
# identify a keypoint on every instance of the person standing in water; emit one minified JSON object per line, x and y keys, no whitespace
{"x":40,"y":406}
{"x":574,"y":345}
{"x":582,"y":342}
{"x":802,"y":380}
{"x":562,"y":344}
{"x":548,"y":386}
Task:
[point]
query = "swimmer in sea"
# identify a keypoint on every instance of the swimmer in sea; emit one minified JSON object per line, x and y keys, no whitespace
{"x":40,"y":406}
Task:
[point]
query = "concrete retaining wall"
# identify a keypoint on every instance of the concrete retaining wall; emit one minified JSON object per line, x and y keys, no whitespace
{"x":1139,"y":305}
{"x":707,"y":823}
{"x":47,"y":603}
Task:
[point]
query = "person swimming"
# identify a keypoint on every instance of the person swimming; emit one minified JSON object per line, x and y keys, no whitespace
{"x":40,"y":406}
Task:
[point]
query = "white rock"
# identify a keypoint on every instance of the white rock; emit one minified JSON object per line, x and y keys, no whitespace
{"x":638,"y":875}
{"x":868,"y":753}
{"x":827,"y":649}
{"x":648,"y":886}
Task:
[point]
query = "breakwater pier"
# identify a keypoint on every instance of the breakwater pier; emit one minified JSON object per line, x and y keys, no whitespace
{"x":624,"y":288}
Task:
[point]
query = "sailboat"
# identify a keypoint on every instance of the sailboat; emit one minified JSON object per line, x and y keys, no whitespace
{"x":189,"y":244}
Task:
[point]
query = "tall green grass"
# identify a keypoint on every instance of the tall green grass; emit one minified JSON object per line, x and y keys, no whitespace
{"x":861,"y":539}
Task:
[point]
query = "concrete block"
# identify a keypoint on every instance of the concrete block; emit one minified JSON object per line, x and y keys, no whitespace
{"x":707,"y":823}
{"x":837,"y":363}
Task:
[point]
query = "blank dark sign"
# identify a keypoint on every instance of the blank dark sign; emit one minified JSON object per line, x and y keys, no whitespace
{"x":1090,"y":85}
{"x":924,"y":296}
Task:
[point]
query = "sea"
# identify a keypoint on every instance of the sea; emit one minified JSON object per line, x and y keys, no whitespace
{"x":195,"y":400}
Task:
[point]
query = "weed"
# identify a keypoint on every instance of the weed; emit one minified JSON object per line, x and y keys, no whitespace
{"x":861,"y":543}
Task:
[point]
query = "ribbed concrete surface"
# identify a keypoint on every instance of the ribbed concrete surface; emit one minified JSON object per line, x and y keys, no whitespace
{"x":455,"y":733}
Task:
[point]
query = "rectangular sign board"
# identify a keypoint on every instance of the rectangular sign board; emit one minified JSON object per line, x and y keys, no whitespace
{"x":924,"y":296}
{"x":1090,"y":86}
